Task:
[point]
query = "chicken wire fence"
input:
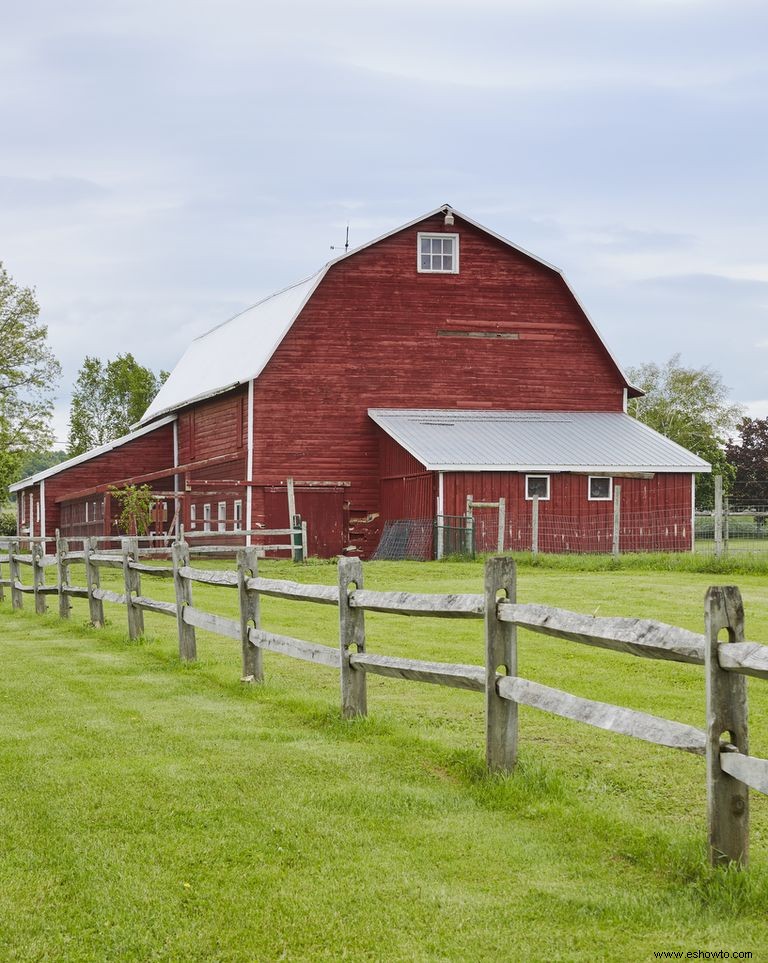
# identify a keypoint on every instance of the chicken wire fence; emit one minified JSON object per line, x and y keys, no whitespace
{"x":744,"y":530}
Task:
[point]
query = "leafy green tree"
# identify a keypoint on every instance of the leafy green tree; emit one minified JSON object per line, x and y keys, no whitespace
{"x":108,"y":399}
{"x":690,"y":406}
{"x":749,"y":456}
{"x":136,"y":503}
{"x":29,"y":373}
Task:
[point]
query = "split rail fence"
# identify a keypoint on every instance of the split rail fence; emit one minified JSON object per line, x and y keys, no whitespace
{"x":730,"y":770}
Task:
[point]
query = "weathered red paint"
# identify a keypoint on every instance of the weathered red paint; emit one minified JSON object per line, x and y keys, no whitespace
{"x":377,"y":333}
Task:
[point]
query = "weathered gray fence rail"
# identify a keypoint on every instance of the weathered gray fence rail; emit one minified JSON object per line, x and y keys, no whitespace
{"x":731,"y":771}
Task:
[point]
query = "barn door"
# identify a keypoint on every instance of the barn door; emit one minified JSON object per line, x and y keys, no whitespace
{"x":321,"y":508}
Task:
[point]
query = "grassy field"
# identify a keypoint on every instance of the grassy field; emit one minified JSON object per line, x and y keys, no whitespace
{"x":154,"y":811}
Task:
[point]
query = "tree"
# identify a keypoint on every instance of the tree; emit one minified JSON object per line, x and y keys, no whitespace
{"x":108,"y":399}
{"x":28,"y":376}
{"x":750,"y":459}
{"x":690,"y":406}
{"x":136,"y":508}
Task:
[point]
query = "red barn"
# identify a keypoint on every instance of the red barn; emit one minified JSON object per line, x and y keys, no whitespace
{"x":435,"y":362}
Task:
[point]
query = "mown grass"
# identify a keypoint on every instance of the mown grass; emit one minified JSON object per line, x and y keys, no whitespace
{"x":154,"y":811}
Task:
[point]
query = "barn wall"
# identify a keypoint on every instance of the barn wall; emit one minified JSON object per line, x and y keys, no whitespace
{"x":150,"y":452}
{"x":655,"y":513}
{"x":370,"y":337}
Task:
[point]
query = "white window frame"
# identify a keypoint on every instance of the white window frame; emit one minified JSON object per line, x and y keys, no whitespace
{"x":37,"y":512}
{"x":454,"y":257}
{"x":542,"y":498}
{"x":600,"y":498}
{"x":207,"y":517}
{"x":193,"y":516}
{"x":23,"y":501}
{"x":237,"y":524}
{"x":221,"y":516}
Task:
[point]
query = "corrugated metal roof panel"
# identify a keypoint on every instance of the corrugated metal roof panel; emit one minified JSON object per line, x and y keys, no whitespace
{"x":233,"y":352}
{"x":450,"y":440}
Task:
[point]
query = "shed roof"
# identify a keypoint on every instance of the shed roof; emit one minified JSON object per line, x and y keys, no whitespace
{"x":237,"y":350}
{"x":589,"y":441}
{"x":93,"y":453}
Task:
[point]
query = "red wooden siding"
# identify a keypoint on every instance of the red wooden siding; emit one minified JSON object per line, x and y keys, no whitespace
{"x":655,"y":513}
{"x":369,"y":338}
{"x":150,"y":452}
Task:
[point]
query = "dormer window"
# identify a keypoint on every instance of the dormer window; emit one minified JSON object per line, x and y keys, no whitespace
{"x":438,"y":254}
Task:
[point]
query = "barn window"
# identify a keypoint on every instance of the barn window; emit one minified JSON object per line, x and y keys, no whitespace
{"x":438,"y":254}
{"x":600,"y":488}
{"x":222,"y":516}
{"x":537,"y":485}
{"x":193,"y":516}
{"x":206,"y":518}
{"x":238,"y":523}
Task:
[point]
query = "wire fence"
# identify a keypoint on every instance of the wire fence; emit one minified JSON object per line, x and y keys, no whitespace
{"x":743,"y":531}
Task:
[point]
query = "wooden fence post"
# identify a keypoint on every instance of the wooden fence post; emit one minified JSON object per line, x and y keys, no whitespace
{"x":38,"y":576}
{"x":500,"y":656}
{"x":95,"y":606}
{"x":132,"y":583}
{"x":616,"y":520}
{"x":469,"y":534}
{"x":62,"y":570}
{"x":535,"y":525}
{"x":17,"y":597}
{"x":183,"y":587}
{"x":250,"y":614}
{"x":718,"y":516}
{"x":502,"y":524}
{"x":727,"y":797}
{"x":354,"y":700}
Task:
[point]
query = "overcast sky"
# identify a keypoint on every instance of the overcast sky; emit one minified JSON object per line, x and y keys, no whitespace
{"x":165,"y":164}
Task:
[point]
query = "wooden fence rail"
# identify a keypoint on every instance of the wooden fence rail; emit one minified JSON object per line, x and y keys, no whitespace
{"x":730,"y":770}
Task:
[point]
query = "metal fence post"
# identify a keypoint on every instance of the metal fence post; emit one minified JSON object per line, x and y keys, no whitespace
{"x":535,"y":525}
{"x":297,"y":552}
{"x":351,"y":633}
{"x":470,"y":523}
{"x":183,"y":589}
{"x":727,"y":797}
{"x":500,"y":657}
{"x":250,"y":614}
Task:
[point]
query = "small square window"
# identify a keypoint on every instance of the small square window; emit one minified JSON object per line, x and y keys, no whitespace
{"x":438,"y":254}
{"x":537,"y":485}
{"x":600,"y":488}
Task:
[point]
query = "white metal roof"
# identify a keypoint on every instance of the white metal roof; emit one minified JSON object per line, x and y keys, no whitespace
{"x":237,"y":350}
{"x":93,"y":453}
{"x":233,"y":352}
{"x":586,"y":441}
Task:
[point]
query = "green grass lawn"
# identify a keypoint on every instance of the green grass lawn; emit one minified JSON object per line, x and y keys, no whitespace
{"x":154,"y":811}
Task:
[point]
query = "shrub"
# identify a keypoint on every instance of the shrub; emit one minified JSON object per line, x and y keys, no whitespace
{"x":7,"y":521}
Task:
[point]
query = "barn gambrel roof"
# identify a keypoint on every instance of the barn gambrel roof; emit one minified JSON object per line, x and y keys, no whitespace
{"x":239,"y":349}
